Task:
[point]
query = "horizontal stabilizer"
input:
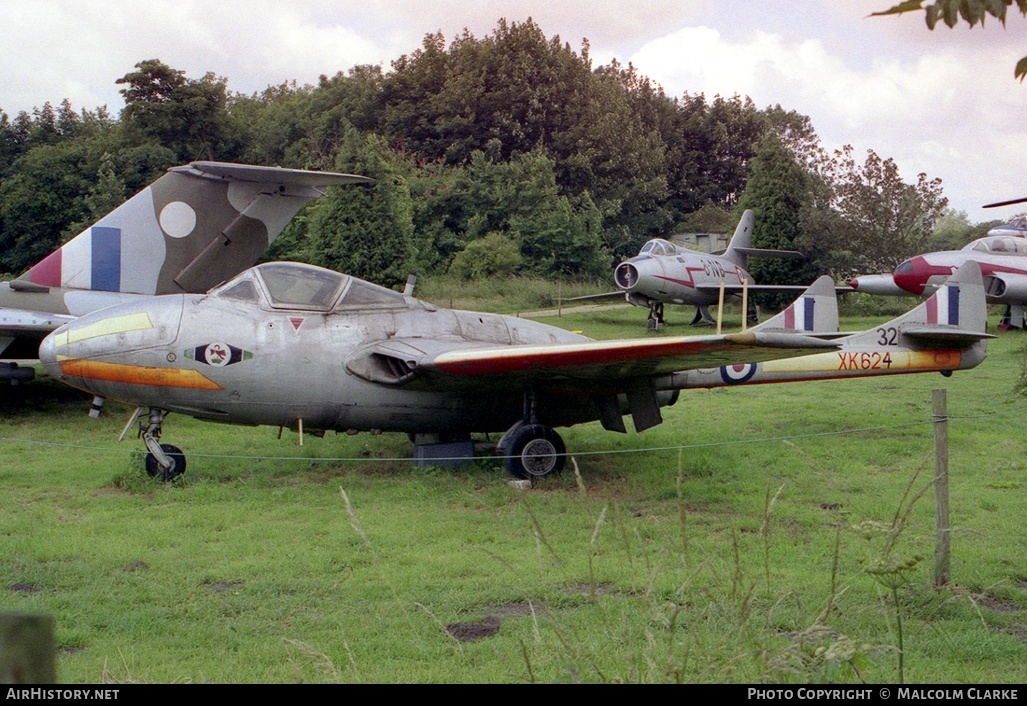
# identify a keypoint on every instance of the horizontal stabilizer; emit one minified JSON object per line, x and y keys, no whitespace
{"x":760,"y":252}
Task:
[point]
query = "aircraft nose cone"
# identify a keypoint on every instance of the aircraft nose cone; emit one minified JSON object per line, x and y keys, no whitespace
{"x":907,"y":278}
{"x":854,"y":283}
{"x":48,"y":354}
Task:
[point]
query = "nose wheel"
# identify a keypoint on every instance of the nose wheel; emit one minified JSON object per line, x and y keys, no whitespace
{"x":164,"y":461}
{"x":175,"y":463}
{"x":532,"y":451}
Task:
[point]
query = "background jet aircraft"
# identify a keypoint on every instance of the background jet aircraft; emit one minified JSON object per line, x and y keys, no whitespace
{"x":288,"y":344}
{"x":997,"y":253}
{"x":1003,"y":262}
{"x":665,"y":273}
{"x":191,"y":229}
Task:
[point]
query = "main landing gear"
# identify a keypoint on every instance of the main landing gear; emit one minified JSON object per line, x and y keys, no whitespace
{"x":164,"y":461}
{"x":655,"y":315}
{"x":532,"y":450}
{"x":1013,"y":317}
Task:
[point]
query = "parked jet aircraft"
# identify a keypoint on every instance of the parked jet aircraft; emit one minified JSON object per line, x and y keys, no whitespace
{"x":1003,"y":262}
{"x":298,"y":346}
{"x":193,"y":228}
{"x":665,"y":273}
{"x":1005,"y":278}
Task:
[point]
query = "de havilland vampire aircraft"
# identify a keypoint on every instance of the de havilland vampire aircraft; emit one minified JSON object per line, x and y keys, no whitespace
{"x":298,"y":346}
{"x":193,"y":228}
{"x":665,"y":273}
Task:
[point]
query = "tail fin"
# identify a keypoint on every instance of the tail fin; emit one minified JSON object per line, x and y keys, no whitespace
{"x":814,"y":312}
{"x":955,"y":315}
{"x":740,"y":247}
{"x":741,"y":241}
{"x":196,"y":226}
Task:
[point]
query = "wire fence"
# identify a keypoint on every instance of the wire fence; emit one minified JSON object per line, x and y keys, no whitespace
{"x":606,"y":452}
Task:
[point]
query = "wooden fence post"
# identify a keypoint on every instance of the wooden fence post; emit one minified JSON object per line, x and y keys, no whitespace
{"x":27,"y":649}
{"x":942,"y":556}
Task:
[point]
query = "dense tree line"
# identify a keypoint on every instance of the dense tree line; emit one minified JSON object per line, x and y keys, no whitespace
{"x":507,"y":154}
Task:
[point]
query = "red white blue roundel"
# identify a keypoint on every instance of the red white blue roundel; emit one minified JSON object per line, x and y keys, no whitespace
{"x":737,"y":374}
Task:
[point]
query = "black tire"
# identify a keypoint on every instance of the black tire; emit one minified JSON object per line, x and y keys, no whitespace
{"x":153,"y":468}
{"x":534,"y":451}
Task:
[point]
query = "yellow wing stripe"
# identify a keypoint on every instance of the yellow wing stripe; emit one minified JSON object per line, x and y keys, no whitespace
{"x":105,"y":327}
{"x":139,"y":375}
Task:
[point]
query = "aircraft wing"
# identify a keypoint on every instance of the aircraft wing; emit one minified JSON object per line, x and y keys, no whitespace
{"x":18,"y":323}
{"x":435,"y":364}
{"x":602,"y":297}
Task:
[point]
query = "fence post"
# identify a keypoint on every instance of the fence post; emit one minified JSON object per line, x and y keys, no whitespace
{"x":942,"y":555}
{"x":27,"y":651}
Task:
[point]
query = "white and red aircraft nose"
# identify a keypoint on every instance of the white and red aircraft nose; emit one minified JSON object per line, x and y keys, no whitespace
{"x":876,"y":284}
{"x":912,"y":275}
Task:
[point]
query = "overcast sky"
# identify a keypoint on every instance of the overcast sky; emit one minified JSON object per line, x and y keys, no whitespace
{"x":944,"y":102}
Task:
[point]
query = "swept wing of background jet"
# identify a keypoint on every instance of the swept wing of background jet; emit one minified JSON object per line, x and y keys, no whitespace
{"x":298,"y":346}
{"x":195,"y":227}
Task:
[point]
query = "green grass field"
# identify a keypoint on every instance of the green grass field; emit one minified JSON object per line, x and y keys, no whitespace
{"x":776,"y":533}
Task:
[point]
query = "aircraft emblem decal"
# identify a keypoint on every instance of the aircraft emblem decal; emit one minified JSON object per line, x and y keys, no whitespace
{"x":93,"y":262}
{"x":218,"y":354}
{"x":737,"y":374}
{"x":801,"y":310}
{"x":944,"y":304}
{"x":296,"y":322}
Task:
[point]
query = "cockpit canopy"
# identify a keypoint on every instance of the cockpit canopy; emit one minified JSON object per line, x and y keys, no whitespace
{"x":659,"y":246}
{"x":294,"y":285}
{"x":998,"y":245}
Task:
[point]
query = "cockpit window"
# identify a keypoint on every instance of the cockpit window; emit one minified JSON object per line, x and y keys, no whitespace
{"x":364,"y":295}
{"x":659,"y":247}
{"x":297,"y":286}
{"x":245,"y":291}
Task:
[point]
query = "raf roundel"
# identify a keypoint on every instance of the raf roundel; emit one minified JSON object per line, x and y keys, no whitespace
{"x":178,"y":219}
{"x":737,"y":374}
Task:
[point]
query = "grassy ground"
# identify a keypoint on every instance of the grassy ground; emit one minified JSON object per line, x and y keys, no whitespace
{"x":775,"y":533}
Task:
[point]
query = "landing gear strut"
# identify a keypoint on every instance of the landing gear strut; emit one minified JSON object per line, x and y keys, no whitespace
{"x":655,"y":316}
{"x":164,"y":462}
{"x":1013,"y":317}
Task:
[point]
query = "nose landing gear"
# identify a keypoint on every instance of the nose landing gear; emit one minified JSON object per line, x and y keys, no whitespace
{"x":164,"y":461}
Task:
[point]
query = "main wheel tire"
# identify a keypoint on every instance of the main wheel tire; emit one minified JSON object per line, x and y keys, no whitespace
{"x":154,"y":470}
{"x":534,"y":451}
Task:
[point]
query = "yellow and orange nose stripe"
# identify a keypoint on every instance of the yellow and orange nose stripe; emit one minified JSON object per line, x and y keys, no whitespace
{"x":138,"y":375}
{"x":104,"y":327}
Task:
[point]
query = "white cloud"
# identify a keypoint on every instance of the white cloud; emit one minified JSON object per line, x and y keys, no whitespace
{"x":941,"y":102}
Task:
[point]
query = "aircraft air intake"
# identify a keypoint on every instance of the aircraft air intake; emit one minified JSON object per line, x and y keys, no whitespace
{"x":626,"y":275}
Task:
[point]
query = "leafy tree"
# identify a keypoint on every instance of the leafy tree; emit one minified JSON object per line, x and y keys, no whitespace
{"x":366,"y":232}
{"x":103,"y":196}
{"x":190,"y":116}
{"x":971,"y":11}
{"x":777,"y":191}
{"x":887,"y":220}
{"x":495,"y":255}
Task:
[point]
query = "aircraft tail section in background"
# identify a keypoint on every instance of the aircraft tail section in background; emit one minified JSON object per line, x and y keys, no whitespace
{"x":956,"y":314}
{"x":814,"y":312}
{"x":945,"y":333}
{"x":191,"y":229}
{"x":196,"y":226}
{"x":739,"y":248}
